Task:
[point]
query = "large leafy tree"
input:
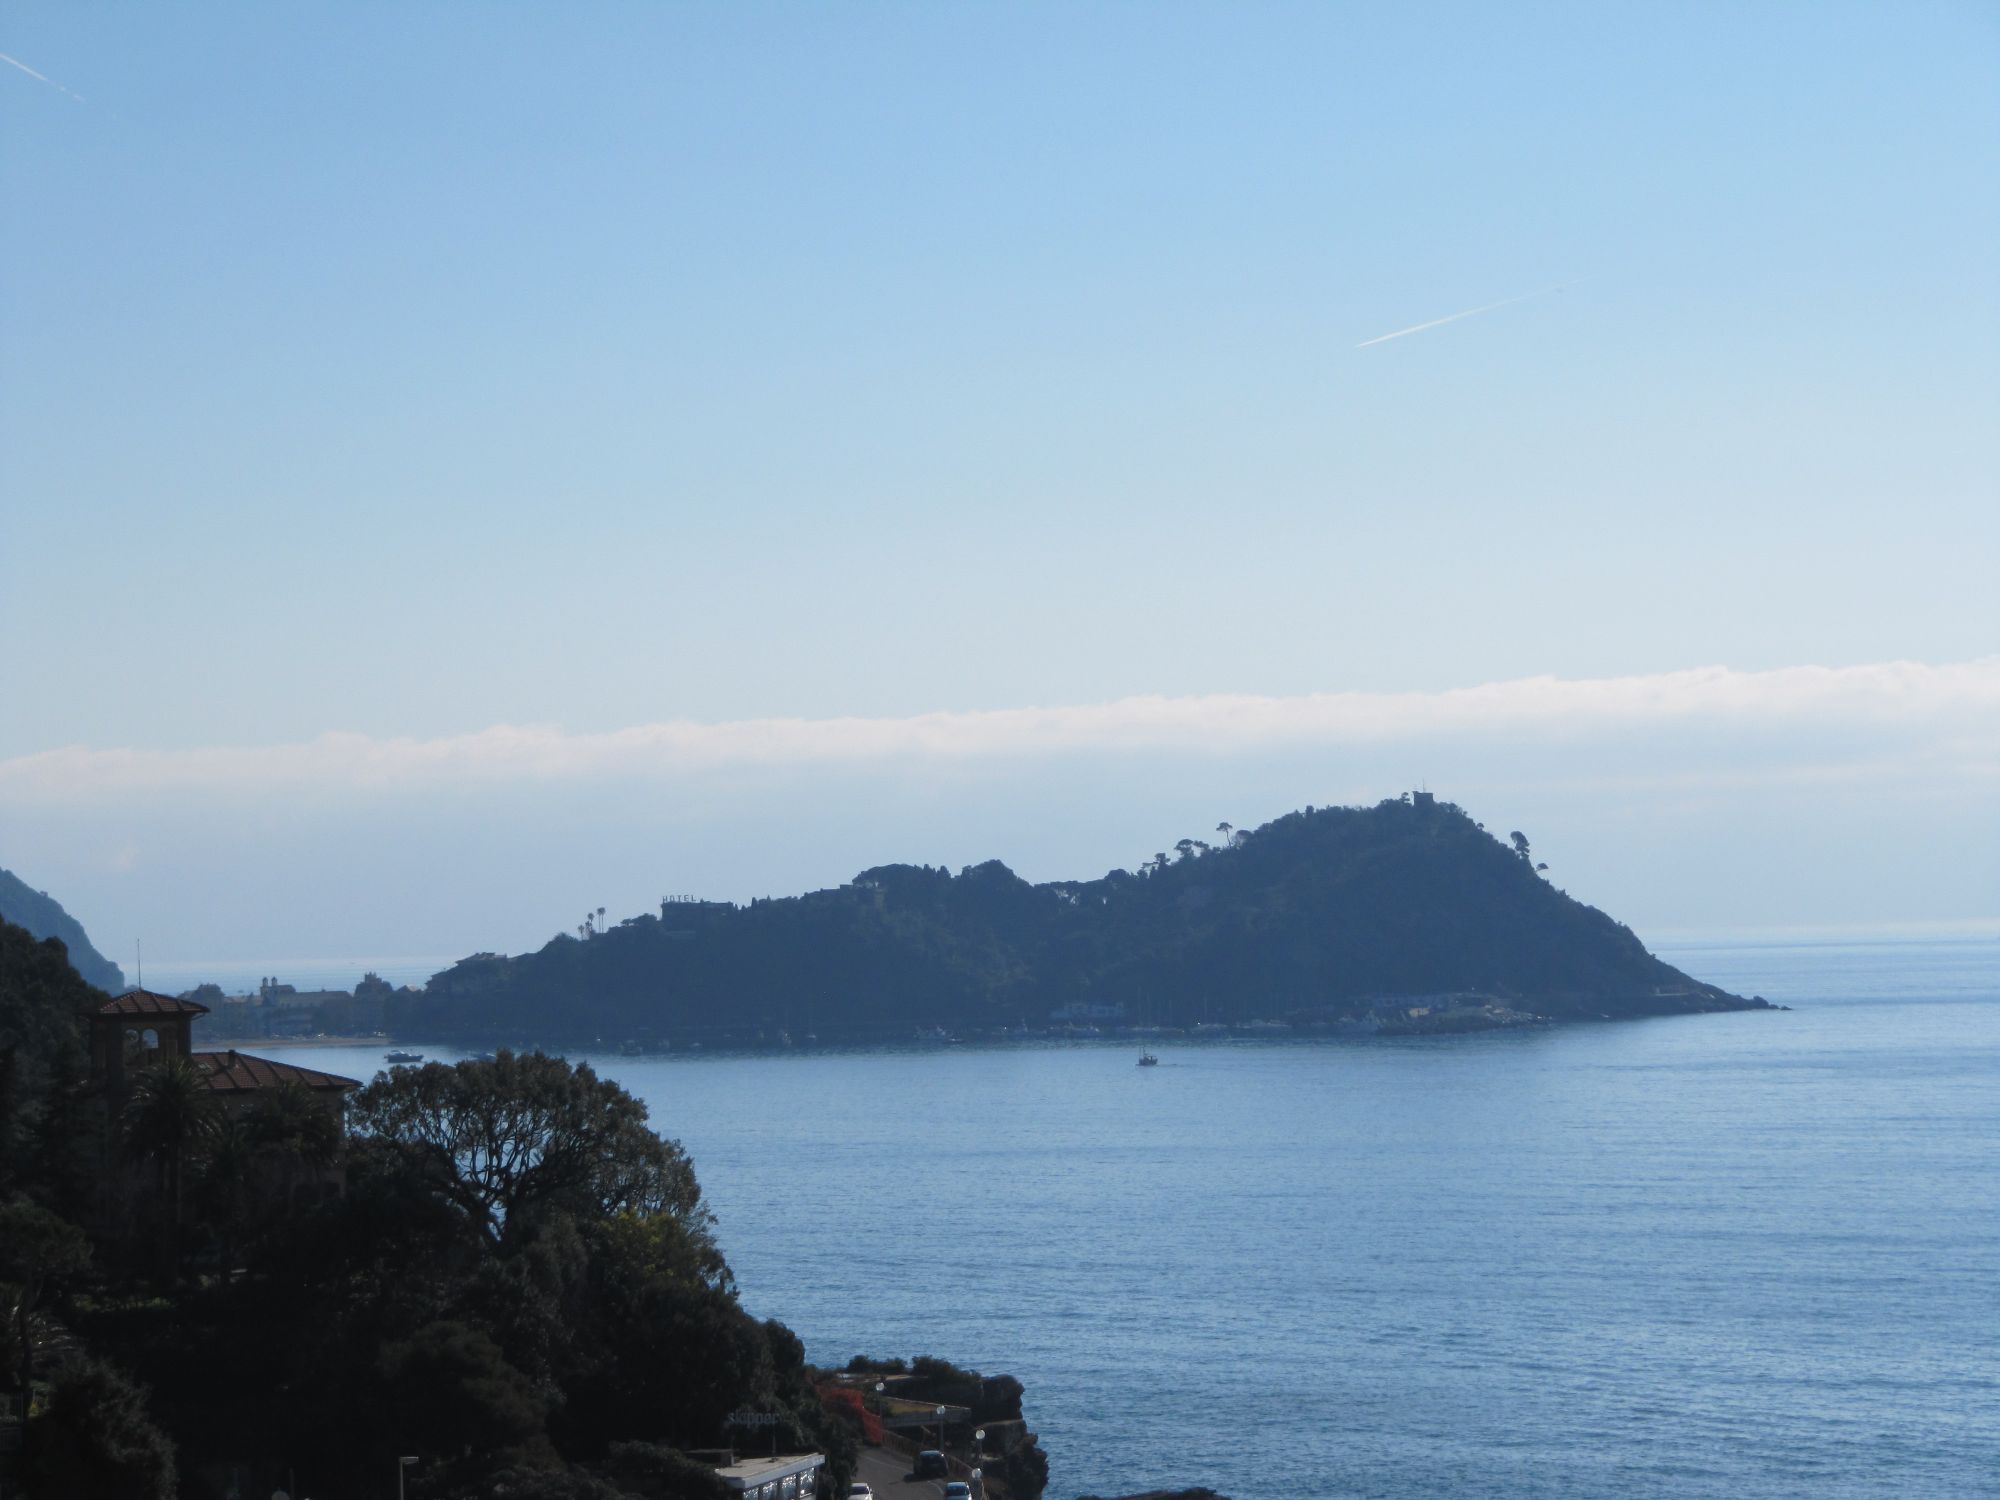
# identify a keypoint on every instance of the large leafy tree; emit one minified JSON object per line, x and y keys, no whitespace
{"x":63,"y":1144}
{"x":452,"y":1391}
{"x":96,"y":1437}
{"x":507,"y":1143}
{"x":520,"y":1280}
{"x":35,"y":1246}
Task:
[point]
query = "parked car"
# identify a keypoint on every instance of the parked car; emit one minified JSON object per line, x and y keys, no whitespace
{"x":931,"y":1465}
{"x":859,"y":1491}
{"x":958,"y":1489}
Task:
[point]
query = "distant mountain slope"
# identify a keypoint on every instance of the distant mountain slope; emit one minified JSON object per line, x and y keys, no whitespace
{"x":1311,"y":915}
{"x":43,"y":916}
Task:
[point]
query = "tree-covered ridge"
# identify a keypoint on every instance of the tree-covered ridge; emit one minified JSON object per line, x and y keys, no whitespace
{"x":1313,"y":915}
{"x":43,"y":915}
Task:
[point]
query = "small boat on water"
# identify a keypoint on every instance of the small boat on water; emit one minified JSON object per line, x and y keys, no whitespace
{"x":1147,"y":1060}
{"x":403,"y":1057}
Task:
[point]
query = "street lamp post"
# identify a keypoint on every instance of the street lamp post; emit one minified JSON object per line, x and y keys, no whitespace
{"x":401,"y":1465}
{"x":940,"y":1417}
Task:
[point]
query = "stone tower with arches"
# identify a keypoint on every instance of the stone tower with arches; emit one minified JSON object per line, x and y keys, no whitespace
{"x":136,"y":1029}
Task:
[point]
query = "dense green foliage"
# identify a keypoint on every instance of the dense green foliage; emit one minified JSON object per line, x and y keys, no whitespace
{"x":42,"y":1000}
{"x":508,"y":1142}
{"x":1310,"y":914}
{"x":518,"y":1280}
{"x":36,"y":1246}
{"x":94,"y":1436}
{"x":519,"y":1283}
{"x":43,"y":916}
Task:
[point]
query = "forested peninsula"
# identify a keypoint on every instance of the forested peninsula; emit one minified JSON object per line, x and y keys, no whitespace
{"x":1321,"y":918}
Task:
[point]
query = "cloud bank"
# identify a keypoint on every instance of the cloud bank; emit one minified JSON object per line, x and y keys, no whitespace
{"x":1953,"y":710}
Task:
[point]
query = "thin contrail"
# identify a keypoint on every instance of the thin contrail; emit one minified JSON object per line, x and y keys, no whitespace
{"x":1470,"y":312}
{"x":16,"y":62}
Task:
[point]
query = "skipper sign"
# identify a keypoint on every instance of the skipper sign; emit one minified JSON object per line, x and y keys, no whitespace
{"x":740,"y":1418}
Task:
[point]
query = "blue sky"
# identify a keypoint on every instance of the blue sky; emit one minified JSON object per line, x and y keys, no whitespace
{"x":404,"y":372}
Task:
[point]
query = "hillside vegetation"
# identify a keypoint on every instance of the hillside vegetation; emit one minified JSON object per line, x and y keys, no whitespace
{"x":500,"y":1268}
{"x":1312,"y":916}
{"x":44,"y":916}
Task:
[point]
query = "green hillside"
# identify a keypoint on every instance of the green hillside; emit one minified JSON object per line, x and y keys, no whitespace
{"x":1313,"y":915}
{"x":43,"y":916}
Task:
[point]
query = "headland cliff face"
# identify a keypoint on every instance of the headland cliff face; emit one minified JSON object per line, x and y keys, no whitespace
{"x":1320,"y":918}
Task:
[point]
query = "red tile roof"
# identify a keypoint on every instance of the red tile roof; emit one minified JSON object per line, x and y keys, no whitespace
{"x":238,"y":1072}
{"x":146,"y":1003}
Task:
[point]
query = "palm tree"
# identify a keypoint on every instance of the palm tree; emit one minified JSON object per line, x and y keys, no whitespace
{"x":170,"y":1112}
{"x":293,"y":1127}
{"x":223,"y":1186}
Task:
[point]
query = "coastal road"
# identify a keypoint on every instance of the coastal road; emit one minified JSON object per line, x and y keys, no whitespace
{"x":883,"y":1471}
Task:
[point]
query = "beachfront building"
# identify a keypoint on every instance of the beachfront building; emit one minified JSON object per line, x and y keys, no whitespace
{"x":140,"y":1028}
{"x":138,"y":1159}
{"x":789,"y":1476}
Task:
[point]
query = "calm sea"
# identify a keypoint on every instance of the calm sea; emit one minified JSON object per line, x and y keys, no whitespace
{"x":1729,"y":1256}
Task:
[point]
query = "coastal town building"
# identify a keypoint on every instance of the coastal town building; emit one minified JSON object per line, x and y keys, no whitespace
{"x":1089,"y":1010}
{"x":275,"y":1009}
{"x":788,"y":1476}
{"x":133,"y":1030}
{"x":140,"y":1028}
